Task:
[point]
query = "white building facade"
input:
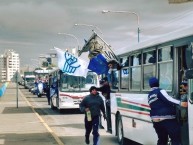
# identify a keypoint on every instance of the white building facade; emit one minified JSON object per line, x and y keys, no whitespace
{"x":9,"y":64}
{"x":3,"y":75}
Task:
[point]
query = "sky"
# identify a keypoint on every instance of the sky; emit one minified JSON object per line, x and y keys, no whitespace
{"x":31,"y":27}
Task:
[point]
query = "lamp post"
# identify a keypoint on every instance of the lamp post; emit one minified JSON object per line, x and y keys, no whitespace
{"x":89,"y":26}
{"x":71,"y":35}
{"x":134,"y":13}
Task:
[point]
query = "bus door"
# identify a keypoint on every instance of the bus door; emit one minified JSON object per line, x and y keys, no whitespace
{"x":59,"y":75}
{"x":189,"y":76}
{"x":182,"y":113}
{"x":185,"y":72}
{"x":190,"y":110}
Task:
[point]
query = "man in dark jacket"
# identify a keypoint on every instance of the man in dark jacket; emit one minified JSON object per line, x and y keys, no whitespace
{"x":93,"y":103}
{"x":163,"y":114}
{"x":105,"y":90}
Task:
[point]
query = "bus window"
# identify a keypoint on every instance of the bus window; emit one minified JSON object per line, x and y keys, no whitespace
{"x":165,"y":67}
{"x":89,"y":79}
{"x":124,"y":75}
{"x":124,"y":78}
{"x":165,"y":54}
{"x":135,"y":72}
{"x":136,"y":59}
{"x":149,"y":67}
{"x":77,"y":83}
{"x":124,"y":61}
{"x":113,"y":77}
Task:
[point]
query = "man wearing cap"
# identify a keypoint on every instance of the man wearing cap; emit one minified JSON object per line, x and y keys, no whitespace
{"x":93,"y":103}
{"x":163,"y":114}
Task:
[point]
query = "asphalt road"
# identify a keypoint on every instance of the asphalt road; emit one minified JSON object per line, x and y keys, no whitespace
{"x":68,"y":125}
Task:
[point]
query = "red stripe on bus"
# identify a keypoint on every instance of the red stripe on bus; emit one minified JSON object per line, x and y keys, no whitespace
{"x":134,"y":112}
{"x":73,"y":97}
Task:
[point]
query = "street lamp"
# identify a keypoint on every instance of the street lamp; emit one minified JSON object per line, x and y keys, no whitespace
{"x":89,"y":26}
{"x":71,"y":35}
{"x":134,"y":13}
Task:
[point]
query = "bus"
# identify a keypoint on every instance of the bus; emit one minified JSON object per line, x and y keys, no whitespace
{"x":29,"y":79}
{"x":70,"y":89}
{"x":170,"y":59}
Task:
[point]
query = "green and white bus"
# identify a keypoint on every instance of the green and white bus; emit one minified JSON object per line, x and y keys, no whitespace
{"x":169,"y":58}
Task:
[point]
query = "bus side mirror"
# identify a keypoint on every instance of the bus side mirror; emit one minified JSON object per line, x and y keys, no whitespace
{"x":189,"y":56}
{"x":189,"y":74}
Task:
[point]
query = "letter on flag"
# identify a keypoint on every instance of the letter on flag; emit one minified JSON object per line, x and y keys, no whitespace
{"x":71,"y":65}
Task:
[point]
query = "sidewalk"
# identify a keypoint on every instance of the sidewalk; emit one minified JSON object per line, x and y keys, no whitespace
{"x":22,"y":126}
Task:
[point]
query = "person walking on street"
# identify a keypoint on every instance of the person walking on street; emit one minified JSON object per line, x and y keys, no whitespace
{"x":163,"y":114}
{"x":47,"y":89}
{"x":93,"y":104}
{"x":105,"y":90}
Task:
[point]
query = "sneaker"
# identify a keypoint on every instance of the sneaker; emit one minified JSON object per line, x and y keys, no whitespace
{"x":87,"y":141}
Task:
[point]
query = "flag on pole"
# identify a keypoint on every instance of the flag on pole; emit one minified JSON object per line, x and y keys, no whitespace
{"x":96,"y":45}
{"x":100,"y":54}
{"x":71,"y":65}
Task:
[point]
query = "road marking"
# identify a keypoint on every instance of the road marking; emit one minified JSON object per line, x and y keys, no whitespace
{"x":42,"y":121}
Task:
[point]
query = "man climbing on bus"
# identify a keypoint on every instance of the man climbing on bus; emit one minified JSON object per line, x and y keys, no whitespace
{"x":163,"y":114}
{"x":105,"y":90}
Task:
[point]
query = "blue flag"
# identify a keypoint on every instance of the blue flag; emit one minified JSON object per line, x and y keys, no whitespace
{"x":98,"y":64}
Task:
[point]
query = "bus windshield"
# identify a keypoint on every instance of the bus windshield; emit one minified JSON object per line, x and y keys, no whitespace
{"x":76,"y":83}
{"x":30,"y":79}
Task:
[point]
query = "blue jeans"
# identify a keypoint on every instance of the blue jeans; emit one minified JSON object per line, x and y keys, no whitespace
{"x":94,"y":127}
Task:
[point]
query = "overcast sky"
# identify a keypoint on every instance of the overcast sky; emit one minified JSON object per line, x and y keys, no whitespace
{"x":30,"y":27}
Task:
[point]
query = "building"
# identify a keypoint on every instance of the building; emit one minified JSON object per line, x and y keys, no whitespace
{"x":9,"y":64}
{"x":3,"y":74}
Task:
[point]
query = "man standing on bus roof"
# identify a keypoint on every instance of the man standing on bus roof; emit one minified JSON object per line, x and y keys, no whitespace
{"x":163,"y":114}
{"x":92,"y":103}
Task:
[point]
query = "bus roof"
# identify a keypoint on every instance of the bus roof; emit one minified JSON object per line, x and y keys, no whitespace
{"x":185,"y":32}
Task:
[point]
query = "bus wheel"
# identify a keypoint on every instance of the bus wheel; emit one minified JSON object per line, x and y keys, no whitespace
{"x":120,"y":135}
{"x":61,"y":110}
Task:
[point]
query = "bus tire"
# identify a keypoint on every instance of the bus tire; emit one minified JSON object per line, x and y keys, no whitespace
{"x":61,"y":110}
{"x":120,"y":135}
